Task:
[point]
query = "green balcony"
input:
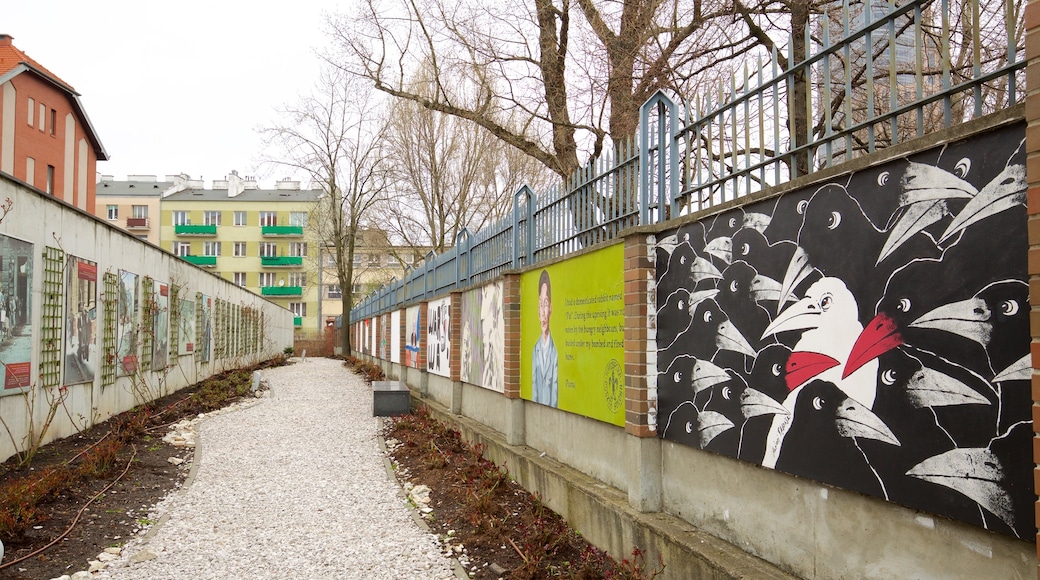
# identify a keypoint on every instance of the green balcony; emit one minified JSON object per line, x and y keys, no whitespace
{"x":281,"y":261}
{"x":297,"y":321}
{"x":204,"y":261}
{"x":281,"y":231}
{"x":281,"y":291}
{"x":190,"y":230}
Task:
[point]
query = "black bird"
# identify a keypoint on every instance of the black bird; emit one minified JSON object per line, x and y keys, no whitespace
{"x":736,"y":300}
{"x":822,"y":441}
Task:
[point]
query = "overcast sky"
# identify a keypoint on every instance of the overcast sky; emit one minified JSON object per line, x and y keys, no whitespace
{"x":177,"y":87}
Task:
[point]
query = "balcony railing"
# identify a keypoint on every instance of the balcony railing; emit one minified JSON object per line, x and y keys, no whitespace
{"x":137,"y":223}
{"x":192,"y":230}
{"x":204,"y":261}
{"x":281,"y":291}
{"x":297,"y":321}
{"x":281,"y":261}
{"x":281,"y":231}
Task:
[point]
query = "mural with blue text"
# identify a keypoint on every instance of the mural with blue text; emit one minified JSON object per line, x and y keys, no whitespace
{"x":871,"y":333}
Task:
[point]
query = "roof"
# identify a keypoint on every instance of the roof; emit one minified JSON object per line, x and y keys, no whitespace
{"x":268,"y":195}
{"x":14,"y":62}
{"x":132,"y":188}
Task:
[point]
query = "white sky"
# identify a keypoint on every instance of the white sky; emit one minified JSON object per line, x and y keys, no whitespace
{"x":178,"y":87}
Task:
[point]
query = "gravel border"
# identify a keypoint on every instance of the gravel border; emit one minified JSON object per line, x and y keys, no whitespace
{"x":295,"y":485}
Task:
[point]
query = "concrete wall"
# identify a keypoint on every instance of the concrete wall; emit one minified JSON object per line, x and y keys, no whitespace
{"x":707,"y":514}
{"x":45,"y":222}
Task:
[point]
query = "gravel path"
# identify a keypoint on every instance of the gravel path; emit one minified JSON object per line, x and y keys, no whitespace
{"x":292,"y":487}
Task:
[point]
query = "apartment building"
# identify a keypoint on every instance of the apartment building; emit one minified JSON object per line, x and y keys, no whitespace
{"x":256,"y":238}
{"x":133,"y":204}
{"x":46,"y":139}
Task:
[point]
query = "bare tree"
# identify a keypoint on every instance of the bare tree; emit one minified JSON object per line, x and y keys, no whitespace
{"x":449,"y":175}
{"x":335,"y":136}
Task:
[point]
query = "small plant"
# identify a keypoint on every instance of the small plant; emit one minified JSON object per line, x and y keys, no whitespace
{"x":287,"y":351}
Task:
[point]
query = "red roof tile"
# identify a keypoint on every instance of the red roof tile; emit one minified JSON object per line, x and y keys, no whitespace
{"x":11,"y":57}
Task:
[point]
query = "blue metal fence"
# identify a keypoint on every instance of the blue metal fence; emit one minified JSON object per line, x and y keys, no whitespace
{"x":897,"y":72}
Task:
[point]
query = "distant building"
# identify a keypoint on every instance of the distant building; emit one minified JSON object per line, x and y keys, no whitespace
{"x":133,"y":205}
{"x":256,"y":238}
{"x":46,"y":139}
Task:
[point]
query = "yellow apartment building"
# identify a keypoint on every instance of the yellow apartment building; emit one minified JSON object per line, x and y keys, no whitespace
{"x":256,"y":238}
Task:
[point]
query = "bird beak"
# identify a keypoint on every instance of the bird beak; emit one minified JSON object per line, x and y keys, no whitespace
{"x":917,"y":217}
{"x":721,"y":248}
{"x":765,"y":288}
{"x":930,"y":388}
{"x":1020,"y":370}
{"x":802,"y":366}
{"x":968,"y":318}
{"x":1006,"y":190}
{"x":700,"y":296}
{"x":798,"y":270}
{"x":710,"y":424}
{"x":703,"y":269}
{"x":801,"y":315}
{"x":707,"y":374}
{"x":855,"y":420}
{"x":878,"y":337}
{"x":754,"y":403}
{"x":727,"y":337}
{"x":975,"y":472}
{"x":923,"y":182}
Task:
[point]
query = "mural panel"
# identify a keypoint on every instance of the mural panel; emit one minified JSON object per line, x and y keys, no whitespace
{"x":186,"y":327}
{"x":870,"y":333}
{"x":161,"y":325}
{"x":16,"y":265}
{"x":80,"y":320}
{"x":395,"y":336}
{"x":483,"y":337}
{"x":438,"y":344}
{"x":413,"y":337}
{"x":206,"y":332}
{"x":126,"y":323}
{"x":572,"y":335}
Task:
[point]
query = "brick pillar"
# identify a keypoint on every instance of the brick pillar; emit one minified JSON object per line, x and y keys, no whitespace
{"x":516,"y":433}
{"x":1032,"y":25}
{"x":455,"y":351}
{"x":644,"y":489}
{"x":402,"y":329}
{"x":424,"y":376}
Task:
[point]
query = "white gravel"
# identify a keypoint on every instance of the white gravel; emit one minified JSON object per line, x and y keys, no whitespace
{"x":292,"y":487}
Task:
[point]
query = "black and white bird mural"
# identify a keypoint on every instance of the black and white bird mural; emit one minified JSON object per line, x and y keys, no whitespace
{"x":870,"y":333}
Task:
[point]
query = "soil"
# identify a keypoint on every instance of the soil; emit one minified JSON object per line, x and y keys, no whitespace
{"x":501,"y":530}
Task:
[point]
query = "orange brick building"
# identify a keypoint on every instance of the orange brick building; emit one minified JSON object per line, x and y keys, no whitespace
{"x":46,"y":139}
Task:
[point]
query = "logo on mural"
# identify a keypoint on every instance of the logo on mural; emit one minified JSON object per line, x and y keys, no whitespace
{"x":614,"y":386}
{"x":871,"y":333}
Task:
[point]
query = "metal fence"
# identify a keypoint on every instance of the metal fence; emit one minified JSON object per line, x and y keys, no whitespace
{"x":896,"y":72}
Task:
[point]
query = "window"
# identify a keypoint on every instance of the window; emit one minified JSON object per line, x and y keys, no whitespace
{"x":30,"y":171}
{"x":298,"y":279}
{"x":240,"y":218}
{"x":43,"y":111}
{"x":330,"y":260}
{"x":298,"y":308}
{"x":240,"y":249}
{"x":268,"y":218}
{"x":298,"y":218}
{"x":373,"y":259}
{"x":50,"y":180}
{"x":355,"y":288}
{"x":54,"y":120}
{"x":298,"y":249}
{"x":181,"y":218}
{"x":113,"y":212}
{"x":240,"y":279}
{"x":266,"y":279}
{"x":335,"y":291}
{"x":181,"y":249}
{"x":211,"y":248}
{"x":211,"y":218}
{"x":140,"y":211}
{"x":32,"y":110}
{"x":268,"y":249}
{"x":357,"y":259}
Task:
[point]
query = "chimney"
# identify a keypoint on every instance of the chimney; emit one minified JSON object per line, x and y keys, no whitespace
{"x":235,"y":187}
{"x":6,"y":40}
